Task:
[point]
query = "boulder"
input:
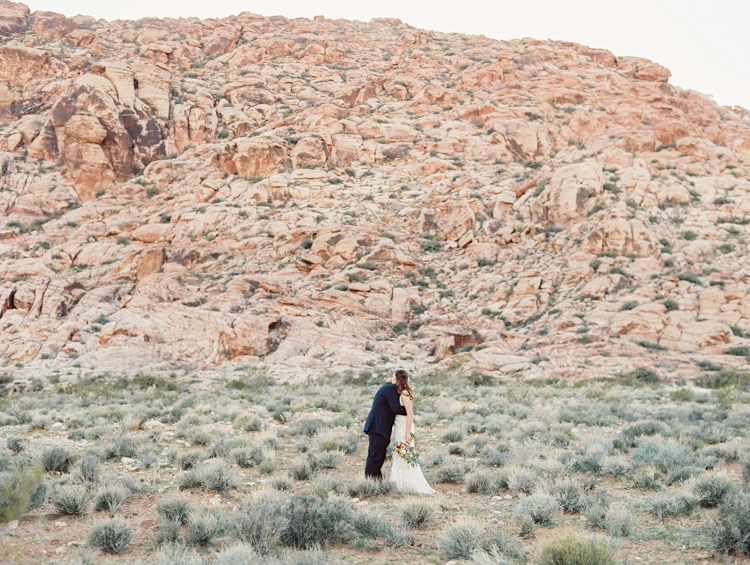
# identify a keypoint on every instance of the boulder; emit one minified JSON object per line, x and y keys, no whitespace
{"x":52,"y":25}
{"x":621,"y":236}
{"x":258,"y":156}
{"x":14,"y":18}
{"x":85,"y":128}
{"x":19,"y":64}
{"x":221,"y":41}
{"x":570,"y":194}
{"x":600,"y":287}
{"x":246,"y":335}
{"x":644,"y":69}
{"x":89,"y":167}
{"x":311,"y":150}
{"x":706,"y":334}
{"x":346,"y":149}
{"x":644,"y":322}
{"x":80,"y":37}
{"x":522,"y":138}
{"x":154,"y":88}
{"x":454,"y":339}
{"x":457,"y":223}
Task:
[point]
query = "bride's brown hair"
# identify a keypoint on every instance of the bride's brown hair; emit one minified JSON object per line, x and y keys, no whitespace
{"x":402,"y":383}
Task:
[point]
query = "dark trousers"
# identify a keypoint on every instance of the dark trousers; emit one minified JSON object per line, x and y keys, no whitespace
{"x":376,"y":456}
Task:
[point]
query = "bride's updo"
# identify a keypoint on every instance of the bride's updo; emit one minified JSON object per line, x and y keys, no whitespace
{"x":402,"y":382}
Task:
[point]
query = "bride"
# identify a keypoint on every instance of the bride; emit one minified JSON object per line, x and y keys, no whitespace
{"x":406,"y":477}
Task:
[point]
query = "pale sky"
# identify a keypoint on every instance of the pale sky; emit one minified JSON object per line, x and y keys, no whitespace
{"x":705,"y":43}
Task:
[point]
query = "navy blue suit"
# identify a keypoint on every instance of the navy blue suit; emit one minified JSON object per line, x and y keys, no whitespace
{"x":379,"y":426}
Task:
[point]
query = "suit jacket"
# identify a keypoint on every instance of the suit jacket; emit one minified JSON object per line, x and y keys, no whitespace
{"x":385,"y":406}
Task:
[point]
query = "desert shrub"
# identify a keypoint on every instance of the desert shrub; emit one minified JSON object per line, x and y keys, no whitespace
{"x":327,"y":460}
{"x":668,"y":506}
{"x":434,"y":458}
{"x":201,"y":528}
{"x":213,"y":476}
{"x":594,"y":507}
{"x":519,"y":479}
{"x":640,"y":376}
{"x":462,"y":539}
{"x":495,"y":458}
{"x":498,"y":542}
{"x":308,"y":557}
{"x":242,"y":554}
{"x":614,"y":465}
{"x":111,"y":537}
{"x":540,"y":508}
{"x":281,"y":484}
{"x":89,"y":470}
{"x":591,"y":461}
{"x":70,"y":500}
{"x":348,"y":443}
{"x":147,"y":458}
{"x":728,"y":530}
{"x":721,"y":377}
{"x":267,"y":467}
{"x":301,"y":470}
{"x":259,"y":522}
{"x":568,"y":494}
{"x":200,"y":437}
{"x":16,"y":444}
{"x":309,"y":426}
{"x":367,"y":488}
{"x":491,"y":557}
{"x":372,"y":524}
{"x":665,"y":455}
{"x":247,"y":457}
{"x":121,"y":446}
{"x":618,"y":523}
{"x":643,"y":428}
{"x":744,"y":459}
{"x":453,"y":436}
{"x":21,"y":490}
{"x":314,"y":522}
{"x":167,"y":532}
{"x":647,"y":477}
{"x":573,"y":549}
{"x":111,"y":498}
{"x":57,"y":459}
{"x":711,"y":489}
{"x":178,"y":555}
{"x":416,"y":513}
{"x":479,"y":482}
{"x":173,"y":509}
{"x":451,"y":473}
{"x":189,"y":459}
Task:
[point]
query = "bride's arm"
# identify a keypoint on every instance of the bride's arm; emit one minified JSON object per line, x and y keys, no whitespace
{"x":409,"y":416}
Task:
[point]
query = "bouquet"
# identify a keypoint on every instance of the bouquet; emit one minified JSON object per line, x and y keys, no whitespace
{"x":408,"y":453}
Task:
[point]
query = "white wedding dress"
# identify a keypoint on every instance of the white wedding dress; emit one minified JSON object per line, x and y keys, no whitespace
{"x":405,"y":477}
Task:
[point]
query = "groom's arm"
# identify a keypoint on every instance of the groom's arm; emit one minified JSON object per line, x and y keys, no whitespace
{"x":392,"y":398}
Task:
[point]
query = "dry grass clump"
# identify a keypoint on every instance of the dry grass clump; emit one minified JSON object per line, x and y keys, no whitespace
{"x":416,"y":512}
{"x":70,"y":500}
{"x":573,"y":549}
{"x":111,"y":498}
{"x":111,"y":537}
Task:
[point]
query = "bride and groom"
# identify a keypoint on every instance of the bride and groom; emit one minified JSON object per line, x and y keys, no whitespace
{"x":393,"y":405}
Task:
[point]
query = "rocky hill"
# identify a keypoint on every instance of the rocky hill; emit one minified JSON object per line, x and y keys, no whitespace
{"x":319,"y":193}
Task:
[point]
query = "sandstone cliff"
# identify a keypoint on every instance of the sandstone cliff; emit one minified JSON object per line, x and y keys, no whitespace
{"x":327,"y":192}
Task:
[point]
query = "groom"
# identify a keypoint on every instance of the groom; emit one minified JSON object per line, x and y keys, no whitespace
{"x":379,"y":425}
